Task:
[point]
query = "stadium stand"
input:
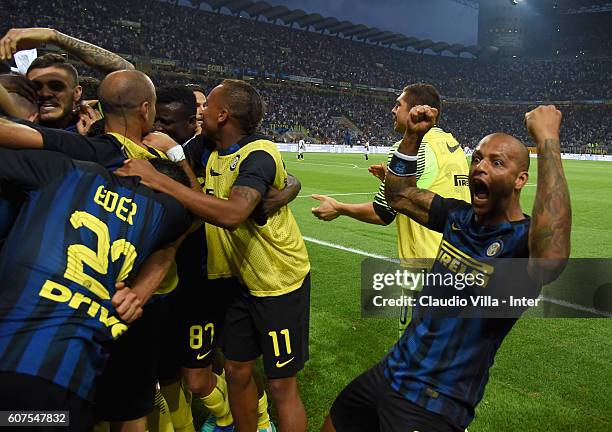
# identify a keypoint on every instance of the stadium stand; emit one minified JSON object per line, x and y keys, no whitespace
{"x":350,"y":84}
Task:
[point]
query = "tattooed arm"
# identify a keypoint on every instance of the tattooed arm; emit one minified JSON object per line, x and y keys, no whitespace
{"x":549,"y":235}
{"x":224,"y":213}
{"x":402,"y":193}
{"x":92,"y":55}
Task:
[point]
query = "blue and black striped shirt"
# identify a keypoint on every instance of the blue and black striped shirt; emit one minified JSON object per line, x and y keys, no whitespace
{"x":442,"y":363}
{"x":79,"y":231}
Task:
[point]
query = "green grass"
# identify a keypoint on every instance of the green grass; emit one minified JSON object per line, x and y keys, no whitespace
{"x":549,"y":375}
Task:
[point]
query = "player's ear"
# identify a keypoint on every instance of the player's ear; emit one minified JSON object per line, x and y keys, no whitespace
{"x":521,"y":180}
{"x":78,"y":92}
{"x":223,"y":115}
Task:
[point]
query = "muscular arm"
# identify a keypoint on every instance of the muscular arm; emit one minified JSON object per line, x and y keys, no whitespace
{"x":549,"y":235}
{"x":362,"y":212}
{"x":402,"y":193}
{"x":16,"y":136}
{"x":228,"y":214}
{"x":92,"y":55}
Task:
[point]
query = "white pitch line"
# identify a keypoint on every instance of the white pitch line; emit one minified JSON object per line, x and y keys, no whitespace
{"x":339,"y":194}
{"x":384,"y":258}
{"x":575,"y":306}
{"x":348,"y":249}
{"x":339,"y":165}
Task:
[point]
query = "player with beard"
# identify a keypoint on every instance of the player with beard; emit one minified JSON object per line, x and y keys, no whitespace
{"x":435,"y":375}
{"x":128,"y":99}
{"x":441,"y":168}
{"x":57,"y":80}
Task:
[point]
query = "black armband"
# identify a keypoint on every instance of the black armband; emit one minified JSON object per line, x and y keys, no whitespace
{"x":402,"y":165}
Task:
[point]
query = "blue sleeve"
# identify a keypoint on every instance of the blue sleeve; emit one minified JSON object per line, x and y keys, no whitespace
{"x":31,"y":169}
{"x":439,"y":211}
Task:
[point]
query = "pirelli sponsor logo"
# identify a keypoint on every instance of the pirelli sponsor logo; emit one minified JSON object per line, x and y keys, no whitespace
{"x":458,"y":261}
{"x":462,"y":180}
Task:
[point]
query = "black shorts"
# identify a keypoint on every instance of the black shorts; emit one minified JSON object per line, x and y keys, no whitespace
{"x":169,"y":364}
{"x":369,"y":404}
{"x":200,"y":313}
{"x":126,"y":389}
{"x":19,"y":392}
{"x":277,"y":327}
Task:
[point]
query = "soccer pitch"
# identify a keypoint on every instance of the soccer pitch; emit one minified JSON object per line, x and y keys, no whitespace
{"x":550,"y":374}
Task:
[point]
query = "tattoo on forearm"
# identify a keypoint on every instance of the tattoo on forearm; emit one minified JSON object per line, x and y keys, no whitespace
{"x":405,"y":197}
{"x":93,"y":55}
{"x":552,"y":216}
{"x":249,"y":194}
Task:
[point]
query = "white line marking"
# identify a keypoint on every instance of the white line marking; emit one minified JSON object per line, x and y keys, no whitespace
{"x":348,"y":249}
{"x":384,"y":258}
{"x":340,"y":194}
{"x":338,"y":165}
{"x":575,"y":306}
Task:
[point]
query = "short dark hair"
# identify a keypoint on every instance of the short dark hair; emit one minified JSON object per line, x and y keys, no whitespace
{"x":90,"y":87}
{"x":55,"y":60}
{"x":196,"y":88}
{"x":4,"y":67}
{"x":170,"y":169}
{"x":424,"y":94}
{"x":178,"y":94}
{"x":245,"y":103}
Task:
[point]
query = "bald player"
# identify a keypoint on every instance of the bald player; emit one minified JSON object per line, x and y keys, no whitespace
{"x":128,"y":100}
{"x":435,"y":375}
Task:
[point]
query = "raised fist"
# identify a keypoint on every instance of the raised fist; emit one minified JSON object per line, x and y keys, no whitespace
{"x":543,"y":123}
{"x":421,"y":118}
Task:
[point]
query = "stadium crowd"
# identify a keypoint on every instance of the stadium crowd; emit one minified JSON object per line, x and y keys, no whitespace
{"x":123,"y":215}
{"x":150,"y":28}
{"x":370,"y":119}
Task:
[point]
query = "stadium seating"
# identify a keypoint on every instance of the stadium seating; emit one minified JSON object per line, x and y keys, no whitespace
{"x":190,"y":36}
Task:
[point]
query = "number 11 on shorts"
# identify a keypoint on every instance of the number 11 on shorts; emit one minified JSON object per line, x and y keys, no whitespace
{"x":274,"y":337}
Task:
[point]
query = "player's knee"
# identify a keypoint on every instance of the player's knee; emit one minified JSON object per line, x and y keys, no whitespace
{"x":283,"y":389}
{"x":238,"y":373}
{"x":200,"y":381}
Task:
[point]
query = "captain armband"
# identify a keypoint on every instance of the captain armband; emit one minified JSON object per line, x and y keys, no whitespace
{"x":402,"y":165}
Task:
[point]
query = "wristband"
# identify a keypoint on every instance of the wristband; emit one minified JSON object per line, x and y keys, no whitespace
{"x":402,"y":165}
{"x":176,"y":154}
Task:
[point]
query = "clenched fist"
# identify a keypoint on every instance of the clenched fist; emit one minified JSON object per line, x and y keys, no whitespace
{"x":421,"y":118}
{"x":543,"y":123}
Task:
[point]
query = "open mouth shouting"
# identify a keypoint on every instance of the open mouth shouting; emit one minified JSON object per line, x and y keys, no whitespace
{"x":480,"y":192}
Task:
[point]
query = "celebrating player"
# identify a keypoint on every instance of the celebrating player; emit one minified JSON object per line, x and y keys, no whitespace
{"x":435,"y":375}
{"x":267,"y":254}
{"x":56,"y":317}
{"x":441,"y":168}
